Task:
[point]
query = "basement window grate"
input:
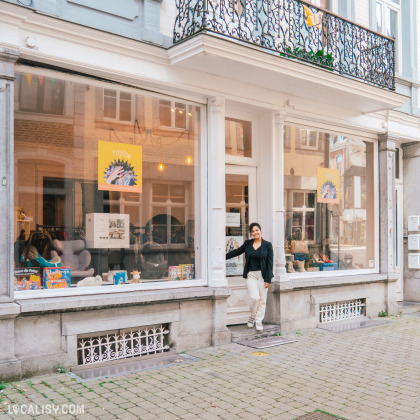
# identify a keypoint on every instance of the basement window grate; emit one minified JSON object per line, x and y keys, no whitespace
{"x":123,"y":344}
{"x":339,"y":311}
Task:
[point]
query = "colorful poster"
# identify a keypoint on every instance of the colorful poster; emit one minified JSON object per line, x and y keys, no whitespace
{"x":328,"y":186}
{"x":234,"y":266}
{"x":119,"y":167}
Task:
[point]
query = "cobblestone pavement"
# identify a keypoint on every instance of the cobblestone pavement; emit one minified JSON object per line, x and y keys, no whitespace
{"x":371,"y":373}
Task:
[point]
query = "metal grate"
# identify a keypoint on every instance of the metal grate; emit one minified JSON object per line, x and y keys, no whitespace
{"x":339,"y":311}
{"x":123,"y":344}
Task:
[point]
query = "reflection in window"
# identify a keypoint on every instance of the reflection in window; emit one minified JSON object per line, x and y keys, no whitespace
{"x":40,"y":94}
{"x":238,"y":137}
{"x":117,"y":105}
{"x":328,"y":234}
{"x":71,"y":196}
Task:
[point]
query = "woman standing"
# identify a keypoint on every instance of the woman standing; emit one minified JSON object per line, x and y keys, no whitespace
{"x":258,"y":270}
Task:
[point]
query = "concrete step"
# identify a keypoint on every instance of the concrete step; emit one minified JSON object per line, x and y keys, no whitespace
{"x":407,"y":307}
{"x":242,"y":332}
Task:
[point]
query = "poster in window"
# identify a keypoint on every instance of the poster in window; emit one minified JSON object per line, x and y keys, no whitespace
{"x":119,"y":167}
{"x":234,"y":266}
{"x":328,"y":185}
{"x":104,"y":230}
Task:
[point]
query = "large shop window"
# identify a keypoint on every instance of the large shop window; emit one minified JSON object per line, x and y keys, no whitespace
{"x":106,"y":194}
{"x":329,"y":223}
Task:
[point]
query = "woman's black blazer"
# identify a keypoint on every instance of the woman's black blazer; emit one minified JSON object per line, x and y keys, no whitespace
{"x":266,"y":258}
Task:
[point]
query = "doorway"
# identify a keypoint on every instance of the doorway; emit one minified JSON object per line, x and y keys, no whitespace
{"x":241,"y":210}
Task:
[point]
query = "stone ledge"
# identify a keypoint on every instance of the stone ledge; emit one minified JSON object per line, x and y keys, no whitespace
{"x":9,"y":310}
{"x":71,"y":303}
{"x":333,"y":281}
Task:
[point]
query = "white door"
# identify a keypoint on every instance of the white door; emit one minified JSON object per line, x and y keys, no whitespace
{"x":399,"y":242}
{"x":241,"y":210}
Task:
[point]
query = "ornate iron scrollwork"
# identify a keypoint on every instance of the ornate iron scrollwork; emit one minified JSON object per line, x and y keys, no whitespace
{"x":295,"y":30}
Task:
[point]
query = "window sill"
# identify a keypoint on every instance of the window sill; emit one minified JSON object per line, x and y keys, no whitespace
{"x":136,"y":297}
{"x":308,"y":281}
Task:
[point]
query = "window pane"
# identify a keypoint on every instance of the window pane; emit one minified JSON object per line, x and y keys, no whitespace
{"x":298,"y":200}
{"x":125,"y":106}
{"x":311,"y":200}
{"x":110,"y":103}
{"x":341,"y":228}
{"x":238,"y":137}
{"x":160,"y":192}
{"x":165,"y":113}
{"x":177,"y":193}
{"x":180,"y":115}
{"x":95,"y":185}
{"x":379,"y":25}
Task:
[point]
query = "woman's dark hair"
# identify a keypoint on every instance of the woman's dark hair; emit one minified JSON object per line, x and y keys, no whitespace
{"x":252,"y":225}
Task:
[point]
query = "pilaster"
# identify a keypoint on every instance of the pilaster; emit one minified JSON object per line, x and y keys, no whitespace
{"x":216,"y":192}
{"x":7,"y":59}
{"x":279,"y":251}
{"x":387,"y":202}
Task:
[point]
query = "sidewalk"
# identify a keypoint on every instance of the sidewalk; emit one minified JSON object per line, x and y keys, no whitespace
{"x":370,"y":373}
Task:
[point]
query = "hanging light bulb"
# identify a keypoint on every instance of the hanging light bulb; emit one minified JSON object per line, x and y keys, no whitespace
{"x":161,"y":167}
{"x":188,"y":159}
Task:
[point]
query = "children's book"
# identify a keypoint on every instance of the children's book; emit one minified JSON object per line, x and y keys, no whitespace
{"x":57,"y":277}
{"x":174,"y":272}
{"x":28,"y":278}
{"x":187,"y":271}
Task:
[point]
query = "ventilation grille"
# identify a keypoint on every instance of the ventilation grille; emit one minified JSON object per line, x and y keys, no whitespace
{"x":339,"y":311}
{"x":125,"y":344}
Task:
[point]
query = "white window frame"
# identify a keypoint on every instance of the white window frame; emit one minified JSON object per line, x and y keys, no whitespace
{"x":304,"y":210}
{"x":361,"y":136}
{"x":174,"y":109}
{"x":307,"y":146}
{"x":118,"y":106}
{"x":390,"y":5}
{"x":200,"y":199}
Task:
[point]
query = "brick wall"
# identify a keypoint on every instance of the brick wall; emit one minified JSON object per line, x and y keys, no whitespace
{"x":44,"y":132}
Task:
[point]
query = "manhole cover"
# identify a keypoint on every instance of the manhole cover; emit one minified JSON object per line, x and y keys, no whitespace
{"x":319,"y":415}
{"x":265,"y":342}
{"x":339,"y":326}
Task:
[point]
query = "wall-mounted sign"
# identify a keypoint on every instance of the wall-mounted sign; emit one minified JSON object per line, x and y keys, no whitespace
{"x":119,"y":167}
{"x":328,"y":185}
{"x":233,"y":219}
{"x":414,"y":223}
{"x":104,"y":230}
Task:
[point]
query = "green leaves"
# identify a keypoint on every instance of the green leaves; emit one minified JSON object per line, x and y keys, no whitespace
{"x":319,"y":58}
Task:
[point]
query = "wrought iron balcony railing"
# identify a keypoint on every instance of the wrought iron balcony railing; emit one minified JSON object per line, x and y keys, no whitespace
{"x":296,"y":30}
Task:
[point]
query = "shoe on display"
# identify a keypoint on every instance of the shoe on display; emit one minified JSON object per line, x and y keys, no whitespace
{"x":250,"y":323}
{"x":259,"y":327}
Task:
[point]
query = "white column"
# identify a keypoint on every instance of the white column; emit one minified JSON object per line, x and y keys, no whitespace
{"x":7,"y":60}
{"x":216,"y":192}
{"x":278,"y":181}
{"x":387,"y":202}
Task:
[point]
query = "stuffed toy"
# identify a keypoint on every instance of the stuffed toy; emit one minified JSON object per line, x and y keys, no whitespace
{"x":136,"y":276}
{"x":90,"y":282}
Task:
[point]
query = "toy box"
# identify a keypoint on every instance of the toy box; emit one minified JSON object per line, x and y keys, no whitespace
{"x":187,"y":271}
{"x":327,"y":266}
{"x":174,"y":273}
{"x":118,"y":276}
{"x":300,"y":257}
{"x":56,"y":277}
{"x":28,"y":278}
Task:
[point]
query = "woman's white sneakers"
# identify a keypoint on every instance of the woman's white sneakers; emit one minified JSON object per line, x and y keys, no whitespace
{"x":259,"y":327}
{"x":250,"y":322}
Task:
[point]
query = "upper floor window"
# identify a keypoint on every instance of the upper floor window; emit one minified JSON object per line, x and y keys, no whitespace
{"x":174,"y":114}
{"x":309,"y":139}
{"x":118,"y":105}
{"x":387,"y":22}
{"x":41,"y":95}
{"x":238,"y":137}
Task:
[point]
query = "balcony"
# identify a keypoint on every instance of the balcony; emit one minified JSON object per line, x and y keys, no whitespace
{"x":294,"y":30}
